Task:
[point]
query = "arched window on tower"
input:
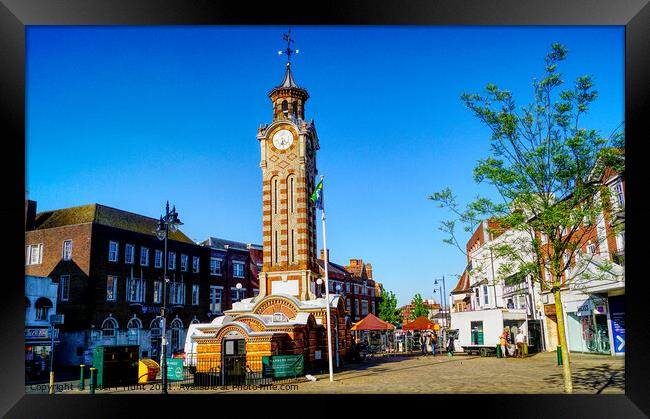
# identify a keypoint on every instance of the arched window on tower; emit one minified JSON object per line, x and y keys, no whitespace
{"x":285,"y":108}
{"x":295,"y":109}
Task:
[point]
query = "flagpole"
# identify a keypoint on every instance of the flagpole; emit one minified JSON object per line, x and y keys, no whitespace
{"x":327,"y":292}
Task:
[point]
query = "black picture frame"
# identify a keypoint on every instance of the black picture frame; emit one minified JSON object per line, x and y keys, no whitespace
{"x":15,"y":15}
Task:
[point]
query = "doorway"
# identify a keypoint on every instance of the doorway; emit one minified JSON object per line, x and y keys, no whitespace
{"x":234,"y":362}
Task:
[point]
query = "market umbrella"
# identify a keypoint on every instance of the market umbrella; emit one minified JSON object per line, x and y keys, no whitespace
{"x":421,"y":323}
{"x":372,"y":322}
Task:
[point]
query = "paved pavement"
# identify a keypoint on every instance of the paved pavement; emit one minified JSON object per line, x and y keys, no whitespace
{"x":592,"y":374}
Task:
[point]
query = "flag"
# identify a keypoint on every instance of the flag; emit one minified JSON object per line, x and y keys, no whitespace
{"x":317,"y":196}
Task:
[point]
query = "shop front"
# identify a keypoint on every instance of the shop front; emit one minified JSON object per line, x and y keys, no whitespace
{"x":588,"y":325}
{"x":38,"y":347}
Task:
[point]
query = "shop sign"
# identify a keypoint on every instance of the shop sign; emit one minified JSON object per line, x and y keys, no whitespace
{"x":585,"y":309}
{"x":40,"y":333}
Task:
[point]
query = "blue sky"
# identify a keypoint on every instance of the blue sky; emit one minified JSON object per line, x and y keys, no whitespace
{"x":132,"y":116}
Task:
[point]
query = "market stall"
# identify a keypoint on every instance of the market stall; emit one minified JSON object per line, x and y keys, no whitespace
{"x":376,"y":333}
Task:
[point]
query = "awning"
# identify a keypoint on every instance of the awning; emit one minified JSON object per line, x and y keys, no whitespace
{"x":43,"y":302}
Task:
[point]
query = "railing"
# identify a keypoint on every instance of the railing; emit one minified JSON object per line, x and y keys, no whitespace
{"x":238,"y":370}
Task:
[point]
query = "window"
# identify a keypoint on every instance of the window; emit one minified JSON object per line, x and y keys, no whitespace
{"x":215,"y":299}
{"x":133,"y":331}
{"x":184,"y":262}
{"x":358,"y":308}
{"x":109,"y":327}
{"x":157,"y":291}
{"x":347,"y":287}
{"x":34,"y":254}
{"x":486,"y":296}
{"x":113,"y":251}
{"x":591,"y":248}
{"x":171,"y":262}
{"x":285,"y":108}
{"x":144,"y":256}
{"x":64,"y":287}
{"x":135,"y":288}
{"x":215,"y":266}
{"x":154,"y":328}
{"x":177,"y":334}
{"x":177,"y":293}
{"x":260,"y":267}
{"x":129,"y":252}
{"x":67,"y":249}
{"x":618,"y":192}
{"x":478,"y":300}
{"x":195,"y":263}
{"x":43,"y":306}
{"x":348,"y":305}
{"x":111,"y":288}
{"x":238,"y":269}
{"x":158,"y":259}
{"x":364,"y":307}
{"x":195,"y":294}
{"x":237,"y":294}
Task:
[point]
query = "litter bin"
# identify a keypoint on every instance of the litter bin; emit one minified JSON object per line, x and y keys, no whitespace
{"x":559,"y":355}
{"x":499,"y":354}
{"x":147,"y":370}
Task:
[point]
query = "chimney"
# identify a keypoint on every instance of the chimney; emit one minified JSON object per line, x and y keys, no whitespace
{"x":322,"y":254}
{"x":369,"y":270}
{"x":355,"y":262}
{"x":30,"y":214}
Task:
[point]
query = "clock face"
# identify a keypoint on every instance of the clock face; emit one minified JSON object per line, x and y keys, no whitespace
{"x":282,"y":139}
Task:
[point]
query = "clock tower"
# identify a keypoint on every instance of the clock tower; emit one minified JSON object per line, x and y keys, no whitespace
{"x":288,"y":147}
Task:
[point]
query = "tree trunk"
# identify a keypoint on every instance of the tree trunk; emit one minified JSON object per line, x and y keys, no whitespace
{"x":566,"y":364}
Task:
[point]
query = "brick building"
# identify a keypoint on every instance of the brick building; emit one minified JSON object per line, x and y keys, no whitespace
{"x":432,"y":307}
{"x":355,"y":283}
{"x":108,"y":264}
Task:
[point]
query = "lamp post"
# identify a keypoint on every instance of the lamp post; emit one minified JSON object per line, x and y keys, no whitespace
{"x":443,"y":298}
{"x":169,"y":222}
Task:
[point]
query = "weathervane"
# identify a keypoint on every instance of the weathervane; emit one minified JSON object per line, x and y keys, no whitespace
{"x":288,"y":51}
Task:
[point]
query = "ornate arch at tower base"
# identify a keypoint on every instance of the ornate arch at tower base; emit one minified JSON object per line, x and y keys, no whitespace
{"x":274,"y":325}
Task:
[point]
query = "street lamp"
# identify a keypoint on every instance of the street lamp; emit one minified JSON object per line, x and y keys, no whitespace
{"x":443,"y":297}
{"x":169,"y":222}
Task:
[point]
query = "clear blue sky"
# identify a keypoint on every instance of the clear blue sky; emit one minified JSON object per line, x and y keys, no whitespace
{"x":132,"y":116}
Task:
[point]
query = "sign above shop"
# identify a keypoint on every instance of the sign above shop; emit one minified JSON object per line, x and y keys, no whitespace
{"x":40,"y":333}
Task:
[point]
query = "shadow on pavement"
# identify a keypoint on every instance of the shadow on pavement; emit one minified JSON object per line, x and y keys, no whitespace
{"x":595,"y":378}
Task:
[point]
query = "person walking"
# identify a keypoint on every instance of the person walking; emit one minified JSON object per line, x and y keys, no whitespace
{"x":520,"y":340}
{"x":433,"y":344}
{"x":423,"y":343}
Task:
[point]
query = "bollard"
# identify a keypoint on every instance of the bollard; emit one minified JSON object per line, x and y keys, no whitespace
{"x":559,"y":355}
{"x":499,"y":354}
{"x":81,"y":377}
{"x":51,"y":382}
{"x":91,"y":385}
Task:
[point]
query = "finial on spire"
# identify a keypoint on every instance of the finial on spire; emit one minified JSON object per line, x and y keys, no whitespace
{"x":287,"y":37}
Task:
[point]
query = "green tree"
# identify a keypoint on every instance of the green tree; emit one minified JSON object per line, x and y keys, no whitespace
{"x":545,"y":166}
{"x":419,"y":309}
{"x":388,"y":310}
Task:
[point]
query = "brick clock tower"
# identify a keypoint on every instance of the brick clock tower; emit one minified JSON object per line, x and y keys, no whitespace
{"x":286,"y":317}
{"x":288,"y":147}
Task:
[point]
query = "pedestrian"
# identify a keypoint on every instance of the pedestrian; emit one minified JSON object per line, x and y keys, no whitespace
{"x":519,"y":340}
{"x":433,"y":344}
{"x":503,"y":342}
{"x":423,"y":343}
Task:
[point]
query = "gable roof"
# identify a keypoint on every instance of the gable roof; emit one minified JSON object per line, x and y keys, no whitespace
{"x":463,"y":284}
{"x":103,"y":215}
